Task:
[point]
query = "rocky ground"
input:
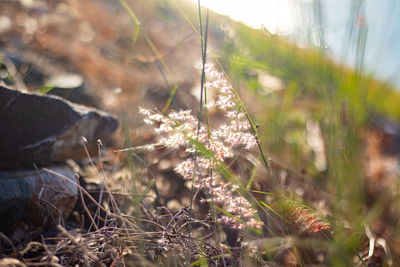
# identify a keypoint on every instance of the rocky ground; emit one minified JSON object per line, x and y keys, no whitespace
{"x":61,"y":63}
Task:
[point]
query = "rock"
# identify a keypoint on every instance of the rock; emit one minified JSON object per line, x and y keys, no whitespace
{"x":65,"y":81}
{"x":70,"y":86}
{"x":41,"y":129}
{"x":29,"y":73}
{"x":389,"y":132}
{"x":33,"y":199}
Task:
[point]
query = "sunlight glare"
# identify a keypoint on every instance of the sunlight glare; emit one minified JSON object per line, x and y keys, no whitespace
{"x":275,"y":15}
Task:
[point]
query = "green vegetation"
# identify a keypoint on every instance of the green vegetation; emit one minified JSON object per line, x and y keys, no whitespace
{"x":287,"y":169}
{"x":341,"y":102}
{"x":307,"y":99}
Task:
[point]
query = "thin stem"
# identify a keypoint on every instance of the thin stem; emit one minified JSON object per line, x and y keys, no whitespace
{"x":204,"y":57}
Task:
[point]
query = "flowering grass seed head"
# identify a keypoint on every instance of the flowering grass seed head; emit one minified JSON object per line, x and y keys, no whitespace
{"x":179,"y":129}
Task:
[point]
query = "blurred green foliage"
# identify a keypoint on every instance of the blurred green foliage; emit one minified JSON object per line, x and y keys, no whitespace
{"x":316,"y":89}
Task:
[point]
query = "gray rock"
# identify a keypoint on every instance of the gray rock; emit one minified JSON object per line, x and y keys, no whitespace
{"x":42,"y":129}
{"x":32,"y":199}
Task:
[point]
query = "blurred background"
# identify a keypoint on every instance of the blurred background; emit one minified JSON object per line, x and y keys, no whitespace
{"x":331,"y":26}
{"x":320,"y":78}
